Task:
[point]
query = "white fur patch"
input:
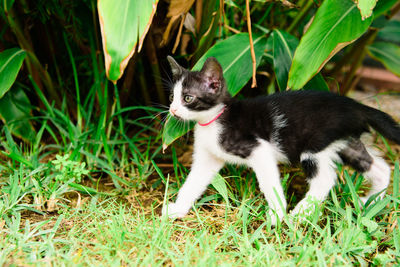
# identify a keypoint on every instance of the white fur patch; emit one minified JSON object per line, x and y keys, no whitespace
{"x":207,"y":137}
{"x":379,"y":177}
{"x":263,"y":160}
{"x":176,"y":107}
{"x":325,"y":177}
{"x":279,"y":121}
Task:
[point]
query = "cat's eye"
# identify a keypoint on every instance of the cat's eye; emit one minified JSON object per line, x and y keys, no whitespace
{"x":188,"y":99}
{"x":171,"y":97}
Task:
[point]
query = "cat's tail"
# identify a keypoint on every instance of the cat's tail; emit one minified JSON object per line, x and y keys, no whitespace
{"x":383,"y":123}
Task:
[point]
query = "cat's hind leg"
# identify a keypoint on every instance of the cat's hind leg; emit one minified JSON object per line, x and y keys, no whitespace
{"x":379,"y":177}
{"x":374,"y":168}
{"x":320,"y":170}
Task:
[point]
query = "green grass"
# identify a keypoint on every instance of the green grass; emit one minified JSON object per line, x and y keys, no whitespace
{"x":122,"y":226}
{"x":109,"y":232}
{"x":90,"y":188}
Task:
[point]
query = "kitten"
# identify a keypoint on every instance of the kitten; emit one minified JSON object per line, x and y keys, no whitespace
{"x":315,"y":129}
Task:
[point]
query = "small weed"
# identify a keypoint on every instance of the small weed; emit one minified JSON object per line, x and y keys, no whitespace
{"x":69,"y":170}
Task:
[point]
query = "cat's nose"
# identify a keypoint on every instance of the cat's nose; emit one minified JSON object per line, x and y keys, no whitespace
{"x":173,"y":111}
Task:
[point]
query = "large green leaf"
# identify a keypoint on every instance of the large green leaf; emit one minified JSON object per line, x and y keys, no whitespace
{"x":336,"y":24}
{"x":10,"y":64}
{"x":317,"y":83}
{"x":388,"y":54}
{"x":391,"y":31}
{"x":124,"y":24}
{"x":15,"y":112}
{"x":173,"y":129}
{"x":237,"y":68}
{"x":284,"y":46}
{"x":366,"y":7}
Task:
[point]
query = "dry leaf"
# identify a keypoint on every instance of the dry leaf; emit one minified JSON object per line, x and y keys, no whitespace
{"x":338,"y":47}
{"x":38,"y":201}
{"x":177,"y":9}
{"x":190,"y":23}
{"x":288,"y":4}
{"x":51,"y":204}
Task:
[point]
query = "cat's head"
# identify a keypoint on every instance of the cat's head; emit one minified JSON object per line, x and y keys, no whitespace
{"x":198,"y":95}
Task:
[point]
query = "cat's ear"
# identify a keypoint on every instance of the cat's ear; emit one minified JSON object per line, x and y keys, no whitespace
{"x":213,"y":73}
{"x":176,"y":69}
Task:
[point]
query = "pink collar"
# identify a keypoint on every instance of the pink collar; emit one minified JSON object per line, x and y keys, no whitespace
{"x":211,"y":121}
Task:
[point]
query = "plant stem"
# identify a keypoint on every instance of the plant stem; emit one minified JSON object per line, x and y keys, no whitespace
{"x":76,"y":81}
{"x":253,"y":55}
{"x":151,"y":53}
{"x":358,"y":56}
{"x":300,"y":16}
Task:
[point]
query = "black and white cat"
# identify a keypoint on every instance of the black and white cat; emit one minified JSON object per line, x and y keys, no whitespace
{"x":315,"y":129}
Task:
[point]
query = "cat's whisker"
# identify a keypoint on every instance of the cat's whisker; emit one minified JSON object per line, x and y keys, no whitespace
{"x":157,"y":115}
{"x":159,"y":105}
{"x":164,"y":120}
{"x":167,"y":81}
{"x":167,"y":75}
{"x":164,"y":110}
{"x":187,"y":129}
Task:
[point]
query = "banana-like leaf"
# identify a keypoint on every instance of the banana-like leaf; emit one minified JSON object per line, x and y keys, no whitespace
{"x":388,"y":54}
{"x":284,"y":46}
{"x":10,"y":64}
{"x":124,"y":24}
{"x":336,"y":24}
{"x":391,"y":31}
{"x":173,"y":129}
{"x":237,"y":68}
{"x":366,"y":7}
{"x":317,"y":83}
{"x":15,"y":112}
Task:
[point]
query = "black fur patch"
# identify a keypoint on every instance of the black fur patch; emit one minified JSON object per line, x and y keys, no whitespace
{"x":314,"y":120}
{"x":356,"y":156}
{"x":310,"y":167}
{"x":241,"y":129}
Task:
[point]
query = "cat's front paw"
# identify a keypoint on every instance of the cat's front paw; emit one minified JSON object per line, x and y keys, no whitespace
{"x":173,"y":210}
{"x":275,"y":216}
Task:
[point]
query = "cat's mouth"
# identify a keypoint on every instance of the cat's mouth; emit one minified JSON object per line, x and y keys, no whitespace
{"x":176,"y":116}
{"x":173,"y":113}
